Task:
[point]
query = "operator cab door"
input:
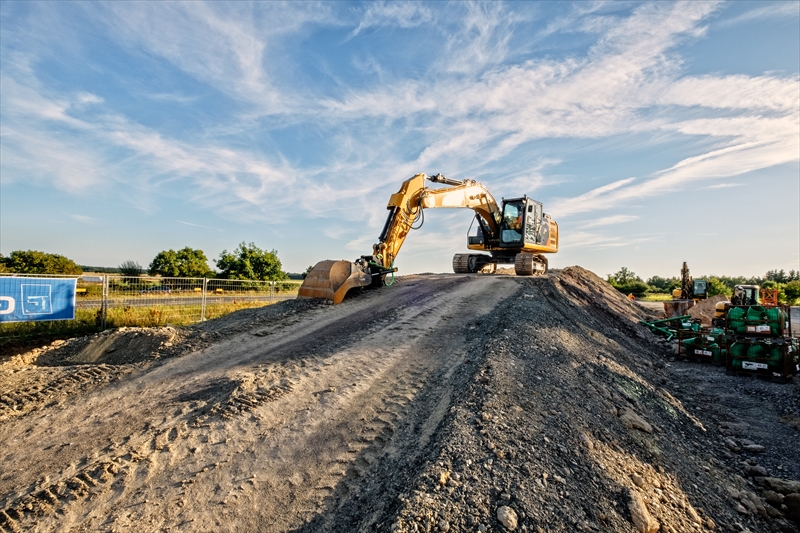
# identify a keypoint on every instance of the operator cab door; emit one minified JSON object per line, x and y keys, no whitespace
{"x":536,"y":230}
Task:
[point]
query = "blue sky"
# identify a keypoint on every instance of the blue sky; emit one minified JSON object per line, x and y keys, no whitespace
{"x":654,"y":133}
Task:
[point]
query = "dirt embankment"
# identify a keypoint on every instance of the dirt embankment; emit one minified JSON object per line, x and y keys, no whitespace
{"x":444,"y":403}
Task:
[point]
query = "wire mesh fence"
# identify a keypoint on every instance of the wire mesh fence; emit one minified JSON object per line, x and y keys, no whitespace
{"x":114,"y":301}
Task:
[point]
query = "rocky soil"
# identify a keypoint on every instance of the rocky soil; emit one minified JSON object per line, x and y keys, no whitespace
{"x":444,"y":403}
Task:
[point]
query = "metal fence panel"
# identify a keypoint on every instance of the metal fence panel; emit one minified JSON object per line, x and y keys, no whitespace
{"x":117,"y":300}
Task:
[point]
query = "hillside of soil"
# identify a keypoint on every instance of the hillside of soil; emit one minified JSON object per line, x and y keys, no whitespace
{"x":448,"y":403}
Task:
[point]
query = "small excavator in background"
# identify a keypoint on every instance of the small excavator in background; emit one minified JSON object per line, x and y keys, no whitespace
{"x":691,"y":289}
{"x":518,"y":233}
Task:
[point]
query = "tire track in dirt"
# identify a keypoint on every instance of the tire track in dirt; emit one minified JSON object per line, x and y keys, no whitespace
{"x":64,"y":382}
{"x":300,"y":418}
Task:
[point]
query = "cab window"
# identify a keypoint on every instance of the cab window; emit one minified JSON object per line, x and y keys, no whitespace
{"x":511,"y":225}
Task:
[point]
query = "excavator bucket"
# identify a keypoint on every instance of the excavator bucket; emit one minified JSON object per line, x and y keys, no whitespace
{"x":331,"y":280}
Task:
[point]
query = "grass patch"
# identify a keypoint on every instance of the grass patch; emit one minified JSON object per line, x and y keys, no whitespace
{"x":87,"y":321}
{"x":656,"y":298}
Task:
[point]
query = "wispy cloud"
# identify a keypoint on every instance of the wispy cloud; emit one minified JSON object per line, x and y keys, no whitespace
{"x":83,"y":219}
{"x":724,"y":185}
{"x":393,"y":14}
{"x":769,"y":11}
{"x":196,"y":225}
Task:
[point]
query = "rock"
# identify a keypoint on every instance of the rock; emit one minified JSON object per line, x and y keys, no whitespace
{"x":693,"y":516}
{"x":633,"y":421}
{"x":756,"y":471}
{"x":748,"y":505}
{"x":710,"y":524}
{"x":756,"y":501}
{"x":773,"y":498}
{"x":640,"y":516}
{"x":732,"y":491}
{"x":784,"y":486}
{"x":773,"y":513}
{"x":792,"y":503}
{"x":753,"y":448}
{"x":741,"y":509}
{"x":444,"y":526}
{"x":730,"y":443}
{"x":507,"y":516}
{"x":638,"y":480}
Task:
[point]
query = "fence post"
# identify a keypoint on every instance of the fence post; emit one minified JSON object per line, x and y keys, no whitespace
{"x":104,"y":303}
{"x":271,"y":292}
{"x":203,"y":305}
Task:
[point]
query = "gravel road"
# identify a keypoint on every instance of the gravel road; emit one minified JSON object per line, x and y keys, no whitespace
{"x":443,"y":403}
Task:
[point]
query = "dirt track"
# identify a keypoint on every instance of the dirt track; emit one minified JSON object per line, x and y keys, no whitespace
{"x":421,"y":407}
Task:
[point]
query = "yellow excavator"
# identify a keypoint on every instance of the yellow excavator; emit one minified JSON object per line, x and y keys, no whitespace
{"x":517,"y":233}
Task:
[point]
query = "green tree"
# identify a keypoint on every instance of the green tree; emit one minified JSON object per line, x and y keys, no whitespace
{"x":623,"y":277}
{"x":792,"y":291}
{"x":185,"y":263}
{"x":715,"y":286}
{"x":308,"y":270}
{"x":130,"y":268}
{"x":35,"y":262}
{"x":248,"y":261}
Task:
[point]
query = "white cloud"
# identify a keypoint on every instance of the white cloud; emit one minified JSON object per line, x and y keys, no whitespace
{"x":393,"y":14}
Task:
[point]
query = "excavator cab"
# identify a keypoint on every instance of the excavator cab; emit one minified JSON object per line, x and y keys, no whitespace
{"x":522,"y":221}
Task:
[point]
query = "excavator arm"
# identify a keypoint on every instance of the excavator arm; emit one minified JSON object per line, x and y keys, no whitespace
{"x":406,"y":205}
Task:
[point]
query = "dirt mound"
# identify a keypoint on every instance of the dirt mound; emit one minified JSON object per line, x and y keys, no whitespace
{"x":449,"y":403}
{"x":112,"y":347}
{"x":705,"y":310}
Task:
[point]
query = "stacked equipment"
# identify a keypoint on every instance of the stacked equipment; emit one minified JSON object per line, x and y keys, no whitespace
{"x":759,"y":341}
{"x":708,"y":344}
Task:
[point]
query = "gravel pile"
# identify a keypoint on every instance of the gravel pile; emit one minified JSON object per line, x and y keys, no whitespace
{"x":576,"y":421}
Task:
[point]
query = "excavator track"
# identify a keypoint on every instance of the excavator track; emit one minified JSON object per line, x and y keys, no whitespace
{"x":470,"y":263}
{"x":461,"y":263}
{"x":530,"y":265}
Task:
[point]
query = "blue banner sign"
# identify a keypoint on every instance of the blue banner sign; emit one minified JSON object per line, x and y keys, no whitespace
{"x":29,"y":299}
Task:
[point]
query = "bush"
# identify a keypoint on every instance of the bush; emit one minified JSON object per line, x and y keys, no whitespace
{"x":792,"y":291}
{"x":131,"y":269}
{"x":637,"y":288}
{"x":35,"y":262}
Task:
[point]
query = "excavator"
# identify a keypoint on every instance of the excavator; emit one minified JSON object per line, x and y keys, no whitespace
{"x":518,"y":233}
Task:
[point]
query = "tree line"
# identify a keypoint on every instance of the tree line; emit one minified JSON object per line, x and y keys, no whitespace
{"x":787,"y":283}
{"x":247,"y":261}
